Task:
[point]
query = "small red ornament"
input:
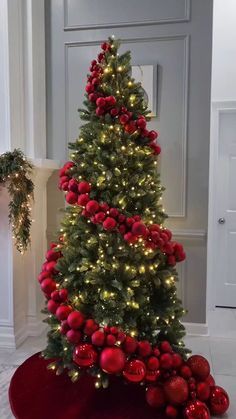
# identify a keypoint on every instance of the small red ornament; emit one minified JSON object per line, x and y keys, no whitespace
{"x":165,"y":346}
{"x":111,"y":100}
{"x":83,"y":199}
{"x":98,"y":338}
{"x":176,"y":390}
{"x":92,"y":206}
{"x":43,"y":275}
{"x":84,"y":355}
{"x":52,"y":306}
{"x":63,"y":312}
{"x":144,"y":348}
{"x":210,"y":381}
{"x":166,"y":361}
{"x":153,"y":363}
{"x":114,"y":330}
{"x":73,"y":185}
{"x":185,"y":372}
{"x":99,"y":217}
{"x":64,"y":327}
{"x":112,"y":360}
{"x":113,"y":212}
{"x":84,"y":187}
{"x":152,"y":135}
{"x":90,"y":327}
{"x":203,"y":391}
{"x":52,"y":255}
{"x":73,"y":336}
{"x":171,"y":412}
{"x":139,"y":229}
{"x":55,"y":296}
{"x":51,"y":267}
{"x":89,"y":88}
{"x":218,"y":401}
{"x":114,"y":111}
{"x":130,"y":345}
{"x":110,"y":340}
{"x":152,"y":375}
{"x":63,"y":293}
{"x":130,"y":238}
{"x":177,"y":360}
{"x":48,"y":285}
{"x":155,"y":397}
{"x":196,"y":410}
{"x":199,"y":366}
{"x":124,"y":119}
{"x":100,"y":111}
{"x":134,"y":371}
{"x":101,"y":102}
{"x":75,"y":319}
{"x":71,"y":198}
{"x":109,"y":224}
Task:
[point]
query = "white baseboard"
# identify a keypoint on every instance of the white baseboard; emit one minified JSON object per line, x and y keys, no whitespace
{"x":196,"y":329}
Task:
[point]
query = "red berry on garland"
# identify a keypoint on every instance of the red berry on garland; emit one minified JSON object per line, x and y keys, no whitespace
{"x":51,"y":255}
{"x":93,"y":97}
{"x":124,"y":119}
{"x":64,"y":327}
{"x":84,"y":187}
{"x":196,"y":410}
{"x":185,"y":372}
{"x":95,"y":81}
{"x":199,"y":366}
{"x":141,"y":123}
{"x":89,"y":88}
{"x":110,"y":340}
{"x":83,"y":199}
{"x":111,"y":100}
{"x":153,"y":363}
{"x":218,"y":401}
{"x":73,"y":185}
{"x":113,"y":212}
{"x":203,"y":391}
{"x":152,"y":135}
{"x":73,"y":336}
{"x":63,"y":312}
{"x":177,"y":360}
{"x":71,"y":198}
{"x":130,"y":345}
{"x":99,"y":217}
{"x":156,"y":148}
{"x":210,"y":381}
{"x":98,"y":338}
{"x":114,"y":111}
{"x":63,"y":293}
{"x":112,"y":360}
{"x":100,"y":102}
{"x":155,"y":397}
{"x":84,"y":355}
{"x":109,"y":224}
{"x":166,"y":361}
{"x":75,"y":319}
{"x":144,"y":348}
{"x":176,"y":390}
{"x":152,"y":375}
{"x":43,"y":275}
{"x":130,"y":238}
{"x":90,"y":327}
{"x":52,"y":306}
{"x":139,"y":229}
{"x":92,"y":206}
{"x":48,"y":285}
{"x":171,"y":412}
{"x":165,"y":346}
{"x":134,"y":371}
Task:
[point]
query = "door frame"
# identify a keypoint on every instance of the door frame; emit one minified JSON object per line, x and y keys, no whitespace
{"x":217,"y":108}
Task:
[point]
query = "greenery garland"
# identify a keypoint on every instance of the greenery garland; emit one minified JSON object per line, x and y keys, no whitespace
{"x":15,"y":171}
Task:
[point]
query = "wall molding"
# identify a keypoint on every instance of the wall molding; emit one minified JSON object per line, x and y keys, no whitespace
{"x":196,"y":329}
{"x":184,"y":138}
{"x":170,"y":20}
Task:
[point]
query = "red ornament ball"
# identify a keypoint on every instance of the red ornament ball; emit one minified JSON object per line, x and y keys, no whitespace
{"x":196,"y":410}
{"x":110,"y":340}
{"x":153,"y":363}
{"x":75,"y":319}
{"x":112,"y":360}
{"x":210,"y":381}
{"x":83,"y":199}
{"x":84,"y":355}
{"x":73,"y":336}
{"x":98,"y":338}
{"x":165,"y":346}
{"x":84,"y":187}
{"x":52,"y":306}
{"x":177,"y":360}
{"x":64,"y":327}
{"x":92,"y":206}
{"x":71,"y":198}
{"x":199,"y":366}
{"x":109,"y":224}
{"x":101,"y":102}
{"x":63,"y":293}
{"x":139,"y":229}
{"x":144,"y":348}
{"x":134,"y":371}
{"x":171,"y":412}
{"x":90,"y":327}
{"x":166,"y":361}
{"x":155,"y":397}
{"x":218,"y":401}
{"x":130,"y":345}
{"x":63,"y":312}
{"x":48,"y":285}
{"x":185,"y":372}
{"x":176,"y":390}
{"x":203,"y":391}
{"x":152,"y":375}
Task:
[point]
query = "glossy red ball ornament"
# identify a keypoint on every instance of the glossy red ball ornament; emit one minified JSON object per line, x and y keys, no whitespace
{"x":152,"y":135}
{"x":124,"y":119}
{"x":43,"y":275}
{"x":139,"y":229}
{"x":171,"y":412}
{"x":109,"y":224}
{"x":155,"y":397}
{"x":199,"y":366}
{"x":90,"y":327}
{"x":110,"y":340}
{"x":63,"y":312}
{"x":112,"y":360}
{"x":64,"y":327}
{"x":166,"y":361}
{"x":101,"y":102}
{"x":176,"y":390}
{"x":130,"y":345}
{"x":203,"y":391}
{"x":55,"y":296}
{"x":48,"y":285}
{"x":130,"y":238}
{"x":153,"y":363}
{"x":84,"y":187}
{"x":165,"y":346}
{"x":83,"y":199}
{"x":71,"y":198}
{"x":73,"y":336}
{"x":98,"y":338}
{"x":52,"y":306}
{"x":84,"y":355}
{"x":92,"y":206}
{"x":73,"y":185}
{"x":52,"y":255}
{"x":99,"y":217}
{"x":134,"y":371}
{"x":218,"y":401}
{"x":152,"y":375}
{"x":75,"y":319}
{"x":196,"y":410}
{"x":177,"y":360}
{"x":185,"y":372}
{"x":144,"y":348}
{"x":63,"y":293}
{"x":111,"y":100}
{"x":210,"y":381}
{"x":114,"y":112}
{"x":113,"y":212}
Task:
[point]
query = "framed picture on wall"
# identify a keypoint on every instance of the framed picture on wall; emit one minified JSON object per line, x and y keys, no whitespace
{"x":147,"y":76}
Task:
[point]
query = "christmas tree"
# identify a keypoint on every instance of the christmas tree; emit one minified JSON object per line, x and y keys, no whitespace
{"x":110,"y":278}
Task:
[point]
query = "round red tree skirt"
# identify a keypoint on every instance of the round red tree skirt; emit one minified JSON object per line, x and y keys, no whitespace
{"x":38,"y":393}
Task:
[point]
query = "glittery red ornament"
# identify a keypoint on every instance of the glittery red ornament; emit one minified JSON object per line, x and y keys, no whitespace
{"x":139,"y":229}
{"x":196,"y":410}
{"x":210,"y":381}
{"x":83,"y":199}
{"x":134,"y":371}
{"x":144,"y":348}
{"x":199,"y":366}
{"x":218,"y":401}
{"x":109,"y":224}
{"x":92,"y":206}
{"x":110,"y":340}
{"x":165,"y":346}
{"x":48,"y":285}
{"x":73,"y":336}
{"x":84,"y":355}
{"x":71,"y":198}
{"x":84,"y":187}
{"x":171,"y":412}
{"x":155,"y":397}
{"x":63,"y":293}
{"x":176,"y":390}
{"x":52,"y":306}
{"x":177,"y":360}
{"x":152,"y":375}
{"x":64,"y":327}
{"x":112,"y":360}
{"x":185,"y":372}
{"x":203,"y":391}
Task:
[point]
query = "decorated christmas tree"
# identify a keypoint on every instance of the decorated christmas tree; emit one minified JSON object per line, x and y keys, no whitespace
{"x":110,"y":278}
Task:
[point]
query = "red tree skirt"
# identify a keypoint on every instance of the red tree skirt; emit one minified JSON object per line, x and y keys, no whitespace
{"x":36,"y":392}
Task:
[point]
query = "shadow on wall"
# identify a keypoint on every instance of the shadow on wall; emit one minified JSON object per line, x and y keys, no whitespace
{"x":55,"y":204}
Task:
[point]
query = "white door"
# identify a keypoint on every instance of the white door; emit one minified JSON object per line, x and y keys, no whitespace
{"x":224,"y":246}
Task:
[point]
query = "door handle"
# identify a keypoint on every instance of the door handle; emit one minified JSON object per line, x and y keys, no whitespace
{"x":221,"y":220}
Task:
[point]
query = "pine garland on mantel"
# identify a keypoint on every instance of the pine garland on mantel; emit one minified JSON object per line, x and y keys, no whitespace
{"x":15,"y":172}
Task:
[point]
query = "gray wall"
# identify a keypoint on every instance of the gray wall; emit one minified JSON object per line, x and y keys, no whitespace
{"x":174,"y":35}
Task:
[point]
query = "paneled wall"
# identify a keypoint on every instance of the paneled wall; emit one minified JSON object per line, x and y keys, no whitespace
{"x":175,"y":36}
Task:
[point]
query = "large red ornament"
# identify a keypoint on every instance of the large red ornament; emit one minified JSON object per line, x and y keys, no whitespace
{"x":218,"y":401}
{"x":63,"y":312}
{"x":48,"y":285}
{"x":75,"y":319}
{"x":84,"y":355}
{"x":84,"y":187}
{"x":92,"y":206}
{"x":112,"y":360}
{"x":199,"y":366}
{"x":155,"y":397}
{"x":196,"y":410}
{"x":134,"y":371}
{"x":176,"y":390}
